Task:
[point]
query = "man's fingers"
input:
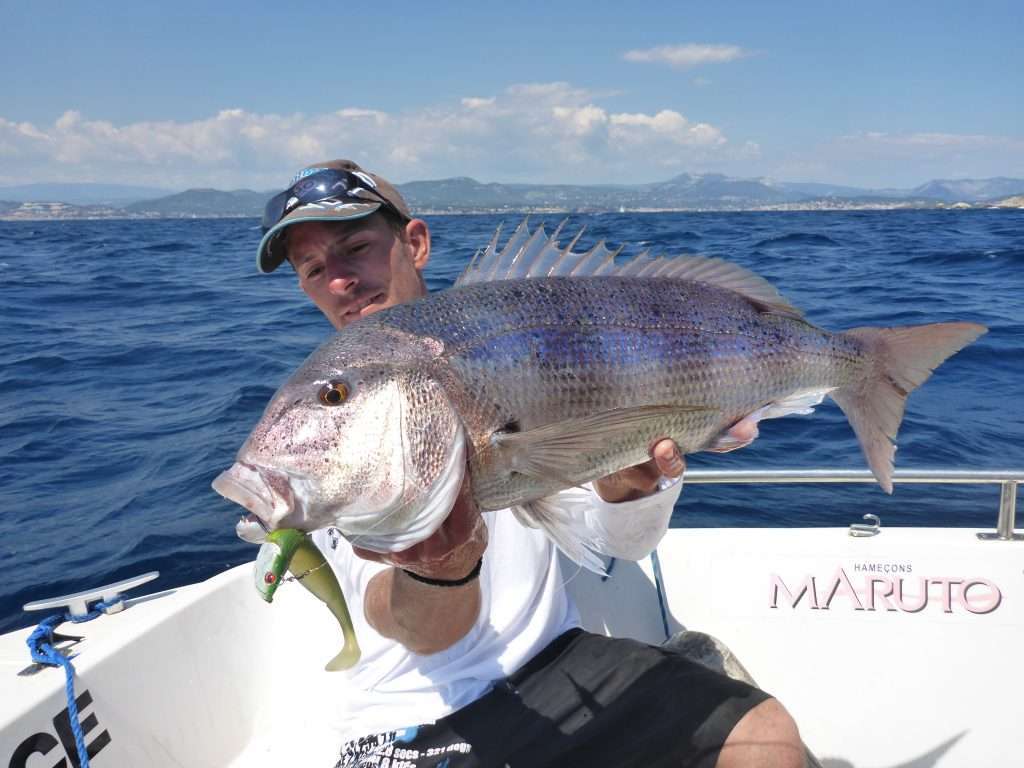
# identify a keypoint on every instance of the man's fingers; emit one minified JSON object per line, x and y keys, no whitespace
{"x":643,"y":477}
{"x":740,"y":435}
{"x":744,"y":430}
{"x":668,"y":459}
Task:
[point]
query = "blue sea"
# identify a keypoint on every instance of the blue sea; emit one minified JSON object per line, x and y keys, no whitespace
{"x":137,"y":355}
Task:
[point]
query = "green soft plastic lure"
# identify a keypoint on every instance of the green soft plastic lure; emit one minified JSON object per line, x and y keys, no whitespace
{"x":288,"y":549}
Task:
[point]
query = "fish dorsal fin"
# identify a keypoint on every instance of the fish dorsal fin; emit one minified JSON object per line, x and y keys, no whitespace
{"x":725,"y":274}
{"x":536,"y":254}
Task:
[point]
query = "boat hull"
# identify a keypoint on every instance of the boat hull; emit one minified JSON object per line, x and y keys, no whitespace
{"x":874,"y":672}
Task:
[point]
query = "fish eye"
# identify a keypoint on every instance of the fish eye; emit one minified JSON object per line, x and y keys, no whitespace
{"x":334,"y":393}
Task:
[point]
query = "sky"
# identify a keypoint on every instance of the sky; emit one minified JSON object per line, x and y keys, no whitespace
{"x":241,"y":95}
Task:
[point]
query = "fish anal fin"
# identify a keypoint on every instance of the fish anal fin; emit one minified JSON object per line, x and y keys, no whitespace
{"x":800,"y":402}
{"x":726,"y":443}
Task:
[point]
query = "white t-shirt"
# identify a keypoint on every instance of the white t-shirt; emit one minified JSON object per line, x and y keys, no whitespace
{"x":524,"y":607}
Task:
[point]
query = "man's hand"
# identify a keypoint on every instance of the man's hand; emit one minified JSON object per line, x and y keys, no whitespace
{"x":451,"y":552}
{"x":425,"y":618}
{"x":642,"y":480}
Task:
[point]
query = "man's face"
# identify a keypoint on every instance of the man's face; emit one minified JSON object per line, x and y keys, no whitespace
{"x":354,"y":269}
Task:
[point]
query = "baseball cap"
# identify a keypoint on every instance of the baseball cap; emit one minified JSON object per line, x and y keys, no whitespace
{"x":351,"y":193}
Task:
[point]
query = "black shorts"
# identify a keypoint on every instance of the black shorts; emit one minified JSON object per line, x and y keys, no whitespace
{"x":585,"y":700}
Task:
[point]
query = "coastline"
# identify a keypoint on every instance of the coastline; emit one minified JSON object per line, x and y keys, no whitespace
{"x":67,"y":212}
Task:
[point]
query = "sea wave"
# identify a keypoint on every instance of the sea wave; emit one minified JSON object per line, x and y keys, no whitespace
{"x":796,"y":239}
{"x":138,"y":355}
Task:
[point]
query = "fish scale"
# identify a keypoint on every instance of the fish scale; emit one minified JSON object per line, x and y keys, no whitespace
{"x":532,"y":352}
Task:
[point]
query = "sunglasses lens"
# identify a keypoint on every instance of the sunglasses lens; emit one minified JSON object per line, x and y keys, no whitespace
{"x":274,"y":210}
{"x":322,"y":185}
{"x":310,"y":188}
{"x":314,"y":188}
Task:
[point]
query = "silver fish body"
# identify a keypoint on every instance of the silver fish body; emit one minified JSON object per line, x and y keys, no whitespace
{"x":539,"y":383}
{"x":521,"y":355}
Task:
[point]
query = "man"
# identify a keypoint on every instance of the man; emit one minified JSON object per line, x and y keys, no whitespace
{"x":472,"y":652}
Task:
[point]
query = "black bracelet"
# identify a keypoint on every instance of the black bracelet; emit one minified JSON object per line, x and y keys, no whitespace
{"x":444,"y":582}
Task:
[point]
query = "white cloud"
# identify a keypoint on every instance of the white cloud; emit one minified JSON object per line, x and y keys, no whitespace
{"x":539,"y":132}
{"x":749,"y":150}
{"x":305,"y":145}
{"x":370,"y":114}
{"x":471,"y":102}
{"x":667,"y":124}
{"x":560,"y":91}
{"x":939,"y":140}
{"x":552,"y":132}
{"x":581,"y":121}
{"x":686,"y":56}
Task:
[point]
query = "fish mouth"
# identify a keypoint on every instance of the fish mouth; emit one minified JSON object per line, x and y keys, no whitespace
{"x":268,"y":494}
{"x":251,"y":529}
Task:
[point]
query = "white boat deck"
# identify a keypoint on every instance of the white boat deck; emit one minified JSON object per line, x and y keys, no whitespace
{"x":876,"y":672}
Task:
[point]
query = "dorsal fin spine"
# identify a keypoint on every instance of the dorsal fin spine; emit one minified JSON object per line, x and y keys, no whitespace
{"x":558,"y":231}
{"x":563,"y":261}
{"x":536,"y":255}
{"x":576,"y":239}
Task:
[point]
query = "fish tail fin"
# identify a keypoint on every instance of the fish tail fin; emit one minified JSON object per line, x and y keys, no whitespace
{"x":903,"y":359}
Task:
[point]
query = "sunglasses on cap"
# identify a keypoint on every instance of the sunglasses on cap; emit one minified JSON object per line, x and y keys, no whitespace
{"x":328,"y":184}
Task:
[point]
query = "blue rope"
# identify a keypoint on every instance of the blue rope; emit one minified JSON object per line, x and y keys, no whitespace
{"x":40,"y":645}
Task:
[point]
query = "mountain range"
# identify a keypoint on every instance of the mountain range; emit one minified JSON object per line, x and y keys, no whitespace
{"x":463,"y":194}
{"x":80,"y":194}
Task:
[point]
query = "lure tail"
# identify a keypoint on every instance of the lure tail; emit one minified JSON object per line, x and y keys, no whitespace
{"x":288,"y":549}
{"x":321,"y":581}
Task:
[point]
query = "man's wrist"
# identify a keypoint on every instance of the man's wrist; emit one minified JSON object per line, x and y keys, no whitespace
{"x":471,"y":576}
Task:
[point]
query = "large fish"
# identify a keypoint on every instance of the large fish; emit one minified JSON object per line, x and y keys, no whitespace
{"x":544,"y":369}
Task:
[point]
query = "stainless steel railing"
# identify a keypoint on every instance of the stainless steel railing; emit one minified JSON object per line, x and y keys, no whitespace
{"x":1008,"y":480}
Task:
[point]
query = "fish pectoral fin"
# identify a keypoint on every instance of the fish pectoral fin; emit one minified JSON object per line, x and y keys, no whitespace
{"x":574,"y":540}
{"x":553,"y":451}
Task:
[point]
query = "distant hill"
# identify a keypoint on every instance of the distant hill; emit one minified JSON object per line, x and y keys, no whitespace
{"x":203,"y":202}
{"x":970,"y":190}
{"x":815,"y":190}
{"x":80,"y":194}
{"x":462,"y":192}
{"x":700,"y":189}
{"x":683,"y":191}
{"x":710,"y":191}
{"x":704,"y":191}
